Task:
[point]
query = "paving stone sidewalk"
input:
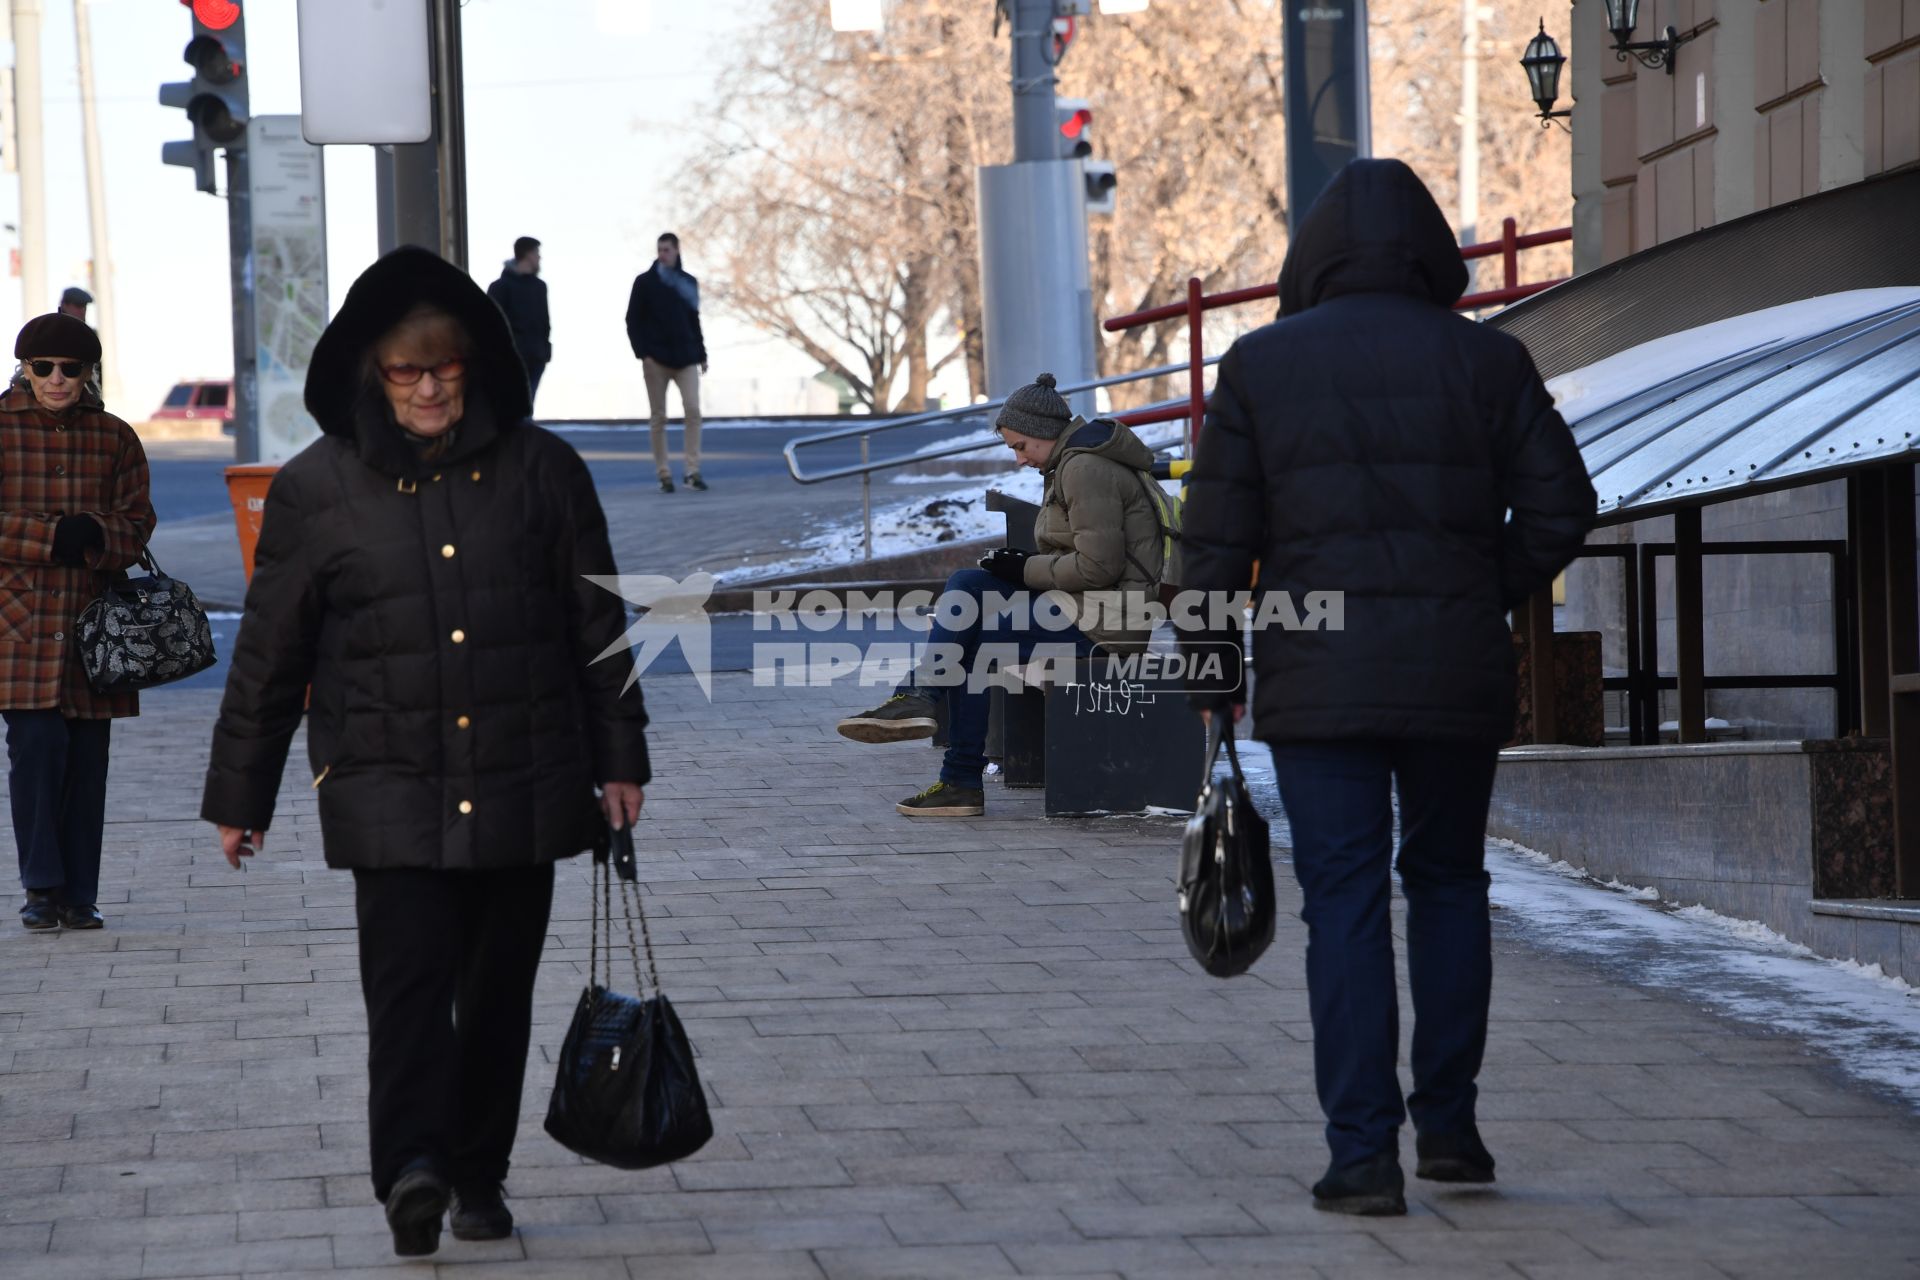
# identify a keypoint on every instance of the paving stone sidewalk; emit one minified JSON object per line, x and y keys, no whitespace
{"x":935,"y":1049}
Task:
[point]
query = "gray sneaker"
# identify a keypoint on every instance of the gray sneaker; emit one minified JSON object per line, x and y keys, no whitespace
{"x":943,"y":801}
{"x":904,"y":717}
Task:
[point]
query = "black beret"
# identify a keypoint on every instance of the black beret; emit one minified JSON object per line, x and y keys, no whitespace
{"x":57,"y":335}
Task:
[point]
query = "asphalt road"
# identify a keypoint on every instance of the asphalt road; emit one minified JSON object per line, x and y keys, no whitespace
{"x":189,"y":483}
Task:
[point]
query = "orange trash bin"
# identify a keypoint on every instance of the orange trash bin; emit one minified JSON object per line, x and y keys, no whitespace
{"x":247,"y":486}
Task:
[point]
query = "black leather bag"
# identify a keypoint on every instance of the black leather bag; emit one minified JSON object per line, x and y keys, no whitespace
{"x":1227,"y":907}
{"x":143,"y":632}
{"x":627,"y":1093}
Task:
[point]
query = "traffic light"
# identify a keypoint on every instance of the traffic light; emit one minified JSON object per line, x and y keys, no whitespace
{"x":1076,"y":124}
{"x":215,"y":100}
{"x":1102,"y":177}
{"x":1076,"y":143}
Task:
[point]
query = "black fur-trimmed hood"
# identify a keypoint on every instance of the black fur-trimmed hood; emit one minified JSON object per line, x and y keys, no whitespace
{"x":336,"y":395}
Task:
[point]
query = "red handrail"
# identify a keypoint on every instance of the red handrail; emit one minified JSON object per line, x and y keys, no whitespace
{"x":1197,"y":304}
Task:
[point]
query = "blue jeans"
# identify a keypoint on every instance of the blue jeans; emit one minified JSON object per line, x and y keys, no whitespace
{"x":1338,"y":801}
{"x":967,"y":709}
{"x":57,"y":782}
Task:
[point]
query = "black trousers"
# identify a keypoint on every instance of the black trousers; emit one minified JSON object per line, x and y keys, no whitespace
{"x":1338,"y":797}
{"x":447,"y":962}
{"x":57,"y":781}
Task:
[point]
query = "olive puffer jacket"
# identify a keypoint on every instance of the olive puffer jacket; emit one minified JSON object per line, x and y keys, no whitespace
{"x":440,"y":611}
{"x":1097,"y":531}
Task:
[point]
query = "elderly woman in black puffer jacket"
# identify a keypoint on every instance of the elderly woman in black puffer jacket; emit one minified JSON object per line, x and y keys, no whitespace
{"x":423,"y":567}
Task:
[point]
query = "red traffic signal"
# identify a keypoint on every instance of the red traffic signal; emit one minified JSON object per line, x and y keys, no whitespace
{"x":215,"y":15}
{"x":1076,"y":123}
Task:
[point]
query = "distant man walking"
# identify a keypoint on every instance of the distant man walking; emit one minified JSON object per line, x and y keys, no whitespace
{"x":521,"y":295}
{"x":74,"y":302}
{"x":663,"y":324}
{"x":1376,"y":444}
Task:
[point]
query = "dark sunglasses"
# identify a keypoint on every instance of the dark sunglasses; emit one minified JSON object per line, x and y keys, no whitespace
{"x":45,"y":368}
{"x":405,"y":375}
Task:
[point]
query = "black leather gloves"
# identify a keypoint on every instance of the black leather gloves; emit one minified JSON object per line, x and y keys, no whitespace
{"x":74,"y":536}
{"x":1009,"y":564}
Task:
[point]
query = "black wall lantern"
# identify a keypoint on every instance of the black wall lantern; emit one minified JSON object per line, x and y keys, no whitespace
{"x":1622,"y":17}
{"x":1543,"y":62}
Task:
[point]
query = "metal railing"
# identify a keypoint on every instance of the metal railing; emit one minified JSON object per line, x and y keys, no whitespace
{"x":1164,"y":411}
{"x":1198,"y":303}
{"x":1192,"y":407}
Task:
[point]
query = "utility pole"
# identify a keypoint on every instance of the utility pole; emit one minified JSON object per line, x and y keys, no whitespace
{"x":1036,"y":290}
{"x":33,"y":160}
{"x":422,"y":188}
{"x":102,"y":281}
{"x":1033,"y":123}
{"x":1470,"y":122}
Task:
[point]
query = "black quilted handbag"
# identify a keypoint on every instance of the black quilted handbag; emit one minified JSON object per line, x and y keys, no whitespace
{"x":143,"y":632}
{"x":1227,"y":906}
{"x":627,"y":1093}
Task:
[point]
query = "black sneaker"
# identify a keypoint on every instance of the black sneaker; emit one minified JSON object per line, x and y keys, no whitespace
{"x":902,"y":718}
{"x":39,"y":912}
{"x":81,"y":918}
{"x":1453,"y":1157}
{"x":414,"y":1208}
{"x":695,"y":482}
{"x":943,"y":801}
{"x":666,"y":485}
{"x":1371,"y":1188}
{"x":480,"y":1213}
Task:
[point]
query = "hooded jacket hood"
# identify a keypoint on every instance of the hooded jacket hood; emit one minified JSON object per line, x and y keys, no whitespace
{"x":1375,"y":229}
{"x":497,"y":398}
{"x":1104,"y":438}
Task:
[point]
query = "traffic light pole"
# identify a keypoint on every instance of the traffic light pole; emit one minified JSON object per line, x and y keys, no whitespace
{"x":422,"y":188}
{"x":246,"y":352}
{"x":1034,"y":126}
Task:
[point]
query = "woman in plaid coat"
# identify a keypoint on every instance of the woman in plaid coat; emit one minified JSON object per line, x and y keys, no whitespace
{"x":73,"y":510}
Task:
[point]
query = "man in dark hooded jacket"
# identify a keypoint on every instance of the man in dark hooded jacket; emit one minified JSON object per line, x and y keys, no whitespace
{"x":521,"y":295}
{"x":1374,"y":443}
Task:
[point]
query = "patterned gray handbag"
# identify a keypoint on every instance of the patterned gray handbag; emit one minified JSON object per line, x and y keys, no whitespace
{"x":144,"y":632}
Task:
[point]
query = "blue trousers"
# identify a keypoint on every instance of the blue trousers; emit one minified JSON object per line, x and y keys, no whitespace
{"x":1338,"y":797}
{"x":967,"y":710}
{"x":57,"y":782}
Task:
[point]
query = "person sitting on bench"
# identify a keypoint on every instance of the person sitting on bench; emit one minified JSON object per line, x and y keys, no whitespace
{"x":1102,"y":532}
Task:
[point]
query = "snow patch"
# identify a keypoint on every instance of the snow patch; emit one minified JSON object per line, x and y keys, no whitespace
{"x":1868,"y":1021}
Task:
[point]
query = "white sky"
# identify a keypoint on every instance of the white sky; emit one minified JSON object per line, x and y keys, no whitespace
{"x":578,"y":112}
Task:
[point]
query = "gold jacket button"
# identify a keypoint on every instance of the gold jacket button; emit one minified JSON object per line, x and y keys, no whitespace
{"x":476,"y":475}
{"x":459,"y":637}
{"x":466,"y":806}
{"x":446,"y":552}
{"x":464,"y":723}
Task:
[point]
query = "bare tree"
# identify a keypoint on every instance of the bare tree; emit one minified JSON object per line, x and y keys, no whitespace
{"x":838,"y":185}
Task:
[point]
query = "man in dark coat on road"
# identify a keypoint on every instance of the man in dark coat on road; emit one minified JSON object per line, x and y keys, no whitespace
{"x":663,"y":326}
{"x":1376,"y":444}
{"x":521,"y":295}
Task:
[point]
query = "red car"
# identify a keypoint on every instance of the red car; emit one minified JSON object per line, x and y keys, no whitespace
{"x":199,"y":401}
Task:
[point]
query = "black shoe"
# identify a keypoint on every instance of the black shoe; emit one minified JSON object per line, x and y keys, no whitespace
{"x":81,"y":918}
{"x":414,"y":1208}
{"x":695,"y":482}
{"x":901,"y":718}
{"x":943,"y":801}
{"x":39,"y":912}
{"x":1371,"y":1188}
{"x":666,"y":485}
{"x":1453,"y":1157}
{"x":480,"y":1213}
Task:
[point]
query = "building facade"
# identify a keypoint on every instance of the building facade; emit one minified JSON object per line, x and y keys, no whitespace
{"x":1770,"y":101}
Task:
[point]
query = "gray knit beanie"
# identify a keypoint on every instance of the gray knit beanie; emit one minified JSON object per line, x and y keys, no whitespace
{"x":1036,"y":410}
